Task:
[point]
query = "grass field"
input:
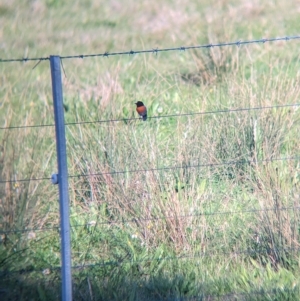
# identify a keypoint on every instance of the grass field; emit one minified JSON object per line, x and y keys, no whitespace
{"x":206,"y":206}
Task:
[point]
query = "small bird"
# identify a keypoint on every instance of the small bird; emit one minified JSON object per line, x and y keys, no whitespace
{"x":141,"y":109}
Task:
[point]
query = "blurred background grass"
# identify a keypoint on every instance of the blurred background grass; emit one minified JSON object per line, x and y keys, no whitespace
{"x":213,"y":232}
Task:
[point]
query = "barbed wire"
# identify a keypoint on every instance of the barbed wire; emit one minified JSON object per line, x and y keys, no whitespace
{"x":155,"y":50}
{"x":231,"y":110}
{"x":24,"y":60}
{"x":244,"y":162}
{"x":167,"y":258}
{"x":183,"y":48}
{"x":93,"y":224}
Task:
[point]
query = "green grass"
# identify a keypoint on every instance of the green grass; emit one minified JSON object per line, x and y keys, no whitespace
{"x":207,"y":230}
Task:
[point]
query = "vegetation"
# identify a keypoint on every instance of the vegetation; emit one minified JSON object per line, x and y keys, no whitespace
{"x":185,"y":207}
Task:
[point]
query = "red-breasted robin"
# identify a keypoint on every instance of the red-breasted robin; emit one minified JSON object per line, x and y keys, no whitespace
{"x":141,"y":109}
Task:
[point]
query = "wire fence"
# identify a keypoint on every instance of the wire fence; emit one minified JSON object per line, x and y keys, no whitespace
{"x":94,"y":224}
{"x":155,"y":50}
{"x":127,"y":260}
{"x":230,"y":110}
{"x":122,"y":172}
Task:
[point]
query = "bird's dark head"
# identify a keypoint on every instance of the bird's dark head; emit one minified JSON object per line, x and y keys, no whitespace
{"x":139,"y":104}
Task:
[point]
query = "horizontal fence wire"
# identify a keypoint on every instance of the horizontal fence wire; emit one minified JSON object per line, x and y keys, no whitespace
{"x":26,"y":126}
{"x":24,"y":180}
{"x":230,"y":110}
{"x":95,"y":224}
{"x":125,"y":260}
{"x":155,"y":50}
{"x":206,"y":165}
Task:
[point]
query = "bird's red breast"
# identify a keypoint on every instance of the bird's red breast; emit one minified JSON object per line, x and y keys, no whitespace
{"x":141,"y":110}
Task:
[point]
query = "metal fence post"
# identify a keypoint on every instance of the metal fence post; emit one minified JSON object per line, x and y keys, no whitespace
{"x":62,"y":178}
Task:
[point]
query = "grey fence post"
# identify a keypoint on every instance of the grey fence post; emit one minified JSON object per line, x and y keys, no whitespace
{"x":62,"y":178}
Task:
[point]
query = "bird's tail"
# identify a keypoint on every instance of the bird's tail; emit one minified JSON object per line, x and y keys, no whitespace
{"x":145,"y":117}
